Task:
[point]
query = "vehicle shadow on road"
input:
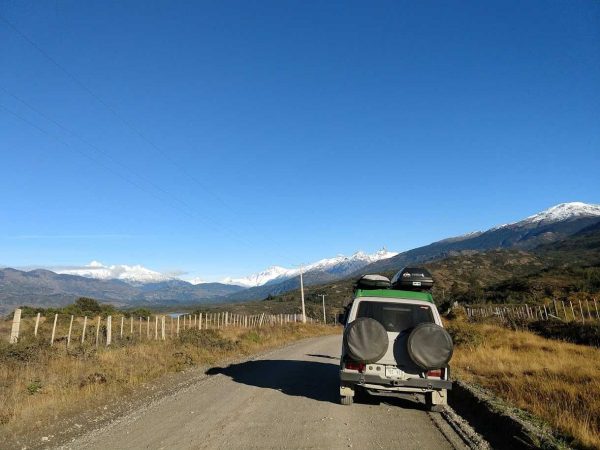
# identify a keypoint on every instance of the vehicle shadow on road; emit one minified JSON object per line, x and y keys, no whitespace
{"x":316,"y":380}
{"x":404,"y":402}
{"x":322,"y":356}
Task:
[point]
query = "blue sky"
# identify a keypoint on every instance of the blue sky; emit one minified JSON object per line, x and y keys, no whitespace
{"x":219,"y":138}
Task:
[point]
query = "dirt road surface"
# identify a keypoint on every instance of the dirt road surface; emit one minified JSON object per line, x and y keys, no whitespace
{"x":287,"y":398}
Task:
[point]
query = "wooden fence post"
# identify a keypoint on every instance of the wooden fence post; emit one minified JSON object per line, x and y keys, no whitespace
{"x":122,"y":322}
{"x":70,"y":329}
{"x":587,"y":304}
{"x":108,"y":330}
{"x":98,"y":331}
{"x":572,"y":310}
{"x":16,"y":326}
{"x":596,"y":308}
{"x":37,"y":324}
{"x":53,"y":329}
{"x":156,"y":328}
{"x":177,"y":325}
{"x":162,"y":328}
{"x":131,"y":330}
{"x":581,"y":310}
{"x":83,"y":331}
{"x":200,"y":321}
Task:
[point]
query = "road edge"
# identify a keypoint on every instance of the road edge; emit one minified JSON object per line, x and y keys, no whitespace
{"x":502,"y":425}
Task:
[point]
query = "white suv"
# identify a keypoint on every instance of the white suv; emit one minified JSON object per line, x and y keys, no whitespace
{"x":394,"y":344}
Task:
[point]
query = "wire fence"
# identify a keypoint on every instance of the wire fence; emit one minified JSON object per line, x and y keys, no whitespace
{"x":70,"y":329}
{"x":567,"y":311}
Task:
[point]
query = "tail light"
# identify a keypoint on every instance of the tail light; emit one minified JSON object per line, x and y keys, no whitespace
{"x":353,"y":365}
{"x":436,"y":373}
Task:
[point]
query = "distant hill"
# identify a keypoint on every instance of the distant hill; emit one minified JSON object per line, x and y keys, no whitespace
{"x":548,"y":226}
{"x":46,"y":288}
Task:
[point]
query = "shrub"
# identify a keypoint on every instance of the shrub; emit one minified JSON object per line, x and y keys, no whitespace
{"x":465,"y":334}
{"x":22,"y":351}
{"x":252,"y":336}
{"x":34,"y":387}
{"x":206,"y":339}
{"x":578,"y":333}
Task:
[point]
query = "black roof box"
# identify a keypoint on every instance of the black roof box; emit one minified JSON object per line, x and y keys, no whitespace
{"x":413,"y":279}
{"x":372,"y":281}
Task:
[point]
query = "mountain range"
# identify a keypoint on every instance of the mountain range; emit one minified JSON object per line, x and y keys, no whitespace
{"x":339,"y":266}
{"x":551,"y":225}
{"x":136,"y":285}
{"x":567,"y":269}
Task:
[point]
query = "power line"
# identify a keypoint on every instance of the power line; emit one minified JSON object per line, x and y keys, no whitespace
{"x":86,"y":155}
{"x":124,"y":121}
{"x":191,"y":214}
{"x":86,"y":142}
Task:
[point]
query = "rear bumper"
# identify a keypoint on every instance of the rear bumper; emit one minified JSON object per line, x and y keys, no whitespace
{"x":420,"y":383}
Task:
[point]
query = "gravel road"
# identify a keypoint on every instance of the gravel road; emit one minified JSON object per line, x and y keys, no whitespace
{"x":287,"y":398}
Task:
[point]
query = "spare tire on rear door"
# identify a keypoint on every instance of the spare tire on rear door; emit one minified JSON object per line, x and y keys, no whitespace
{"x":430,"y":346}
{"x":365,"y":340}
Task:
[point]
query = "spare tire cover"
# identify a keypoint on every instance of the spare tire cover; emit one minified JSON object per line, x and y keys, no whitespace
{"x":365,"y":340}
{"x":430,"y":346}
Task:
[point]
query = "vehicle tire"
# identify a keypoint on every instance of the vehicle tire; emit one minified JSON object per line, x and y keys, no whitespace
{"x":430,"y":346}
{"x":346,"y":400}
{"x":365,"y":340}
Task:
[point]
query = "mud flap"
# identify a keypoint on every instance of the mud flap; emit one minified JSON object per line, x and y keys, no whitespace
{"x":346,"y":391}
{"x":439,"y":397}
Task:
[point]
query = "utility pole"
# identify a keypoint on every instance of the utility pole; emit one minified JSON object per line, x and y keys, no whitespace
{"x":302,"y":295}
{"x":324,"y":317}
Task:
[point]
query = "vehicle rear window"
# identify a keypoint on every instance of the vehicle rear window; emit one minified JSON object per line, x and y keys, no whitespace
{"x":393,"y":316}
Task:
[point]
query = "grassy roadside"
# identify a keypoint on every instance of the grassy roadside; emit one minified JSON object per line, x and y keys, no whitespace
{"x":556,"y":381}
{"x":40,"y":384}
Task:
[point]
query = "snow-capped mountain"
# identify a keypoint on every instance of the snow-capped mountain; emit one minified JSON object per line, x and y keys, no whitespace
{"x":562,"y":212}
{"x":550,"y":225}
{"x":136,"y":274}
{"x":260,"y":278}
{"x":340,"y":265}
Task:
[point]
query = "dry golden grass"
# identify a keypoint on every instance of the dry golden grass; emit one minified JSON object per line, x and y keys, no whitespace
{"x":39,"y":384}
{"x":554,"y":380}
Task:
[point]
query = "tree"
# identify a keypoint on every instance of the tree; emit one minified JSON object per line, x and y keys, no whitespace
{"x":88,"y":305}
